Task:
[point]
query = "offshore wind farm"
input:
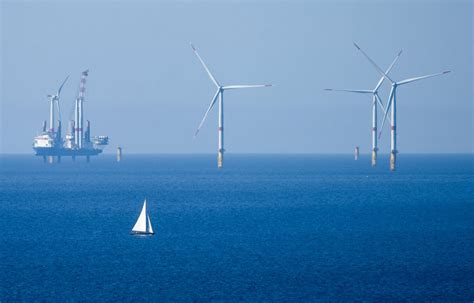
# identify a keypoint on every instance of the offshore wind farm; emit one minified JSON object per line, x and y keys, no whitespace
{"x":375,"y":100}
{"x":316,"y":179}
{"x":390,"y":106}
{"x":50,"y":143}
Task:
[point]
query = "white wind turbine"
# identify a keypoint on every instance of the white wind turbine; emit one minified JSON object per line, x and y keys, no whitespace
{"x":219,"y":95}
{"x":52,"y":99}
{"x":375,"y":100}
{"x":392,"y":102}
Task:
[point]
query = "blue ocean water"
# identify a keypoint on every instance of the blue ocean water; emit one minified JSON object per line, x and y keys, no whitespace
{"x":265,"y":228}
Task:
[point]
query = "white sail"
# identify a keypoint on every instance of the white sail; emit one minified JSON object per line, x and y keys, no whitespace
{"x":140,"y":226}
{"x":150,"y":229}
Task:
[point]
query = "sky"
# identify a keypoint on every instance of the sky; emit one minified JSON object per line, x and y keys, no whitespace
{"x":148,"y":92}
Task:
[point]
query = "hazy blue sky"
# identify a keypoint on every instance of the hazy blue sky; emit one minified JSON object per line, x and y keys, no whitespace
{"x":148,"y":92}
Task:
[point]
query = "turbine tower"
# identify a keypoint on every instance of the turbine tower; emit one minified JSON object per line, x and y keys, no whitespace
{"x":392,"y":104}
{"x":219,"y":95}
{"x":55,"y":99}
{"x":375,"y":100}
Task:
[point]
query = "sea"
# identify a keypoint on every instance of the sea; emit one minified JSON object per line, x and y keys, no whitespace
{"x":265,"y":228}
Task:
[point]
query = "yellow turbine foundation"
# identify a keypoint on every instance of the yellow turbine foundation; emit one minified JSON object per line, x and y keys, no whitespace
{"x":393,"y":159}
{"x":374,"y":157}
{"x":220,"y":159}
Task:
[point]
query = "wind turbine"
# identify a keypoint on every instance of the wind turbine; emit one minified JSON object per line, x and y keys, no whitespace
{"x":52,"y":99}
{"x":392,"y":99}
{"x":219,"y":95}
{"x":375,"y":100}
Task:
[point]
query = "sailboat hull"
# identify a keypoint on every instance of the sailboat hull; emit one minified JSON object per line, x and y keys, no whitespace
{"x":142,"y":233}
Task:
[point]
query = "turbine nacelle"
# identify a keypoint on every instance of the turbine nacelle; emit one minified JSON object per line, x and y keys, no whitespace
{"x":53,"y":97}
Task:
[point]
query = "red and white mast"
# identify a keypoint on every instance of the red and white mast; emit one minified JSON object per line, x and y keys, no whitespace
{"x":78,"y":140}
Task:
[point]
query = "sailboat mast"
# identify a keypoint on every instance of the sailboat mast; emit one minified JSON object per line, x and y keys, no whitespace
{"x":146,"y":216}
{"x":147,"y":224}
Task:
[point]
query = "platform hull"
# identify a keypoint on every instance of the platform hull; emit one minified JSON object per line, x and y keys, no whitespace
{"x":67,"y":152}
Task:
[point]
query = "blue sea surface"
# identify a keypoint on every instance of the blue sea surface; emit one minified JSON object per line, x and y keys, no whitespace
{"x":287,"y":228}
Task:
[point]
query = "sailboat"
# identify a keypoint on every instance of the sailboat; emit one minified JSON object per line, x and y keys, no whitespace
{"x":143,"y":225}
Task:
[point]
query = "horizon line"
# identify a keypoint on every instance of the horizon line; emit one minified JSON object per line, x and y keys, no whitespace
{"x":255,"y":153}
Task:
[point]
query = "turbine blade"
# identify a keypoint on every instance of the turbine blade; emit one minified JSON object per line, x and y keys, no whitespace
{"x":390,"y":98}
{"x":373,"y":63}
{"x":389,"y":69}
{"x":205,"y":67}
{"x":213,"y":101}
{"x":379,"y":101}
{"x":61,"y":87}
{"x":359,"y":91}
{"x":421,"y":78}
{"x":377,"y":98}
{"x":245,"y":86}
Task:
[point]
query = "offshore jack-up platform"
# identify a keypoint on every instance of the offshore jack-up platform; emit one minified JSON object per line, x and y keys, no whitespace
{"x":50,"y":144}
